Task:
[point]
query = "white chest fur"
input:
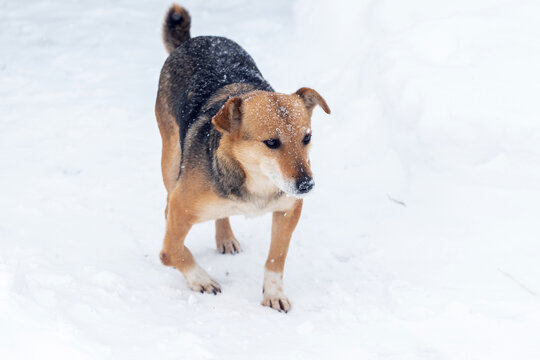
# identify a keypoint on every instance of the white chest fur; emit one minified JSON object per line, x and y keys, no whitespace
{"x":223,"y":208}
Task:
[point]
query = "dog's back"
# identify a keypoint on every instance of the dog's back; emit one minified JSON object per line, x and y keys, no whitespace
{"x":198,"y":68}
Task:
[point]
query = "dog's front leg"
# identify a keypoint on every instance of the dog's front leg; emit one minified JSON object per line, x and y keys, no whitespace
{"x":226,"y":242}
{"x":283,"y":224}
{"x":174,"y":253}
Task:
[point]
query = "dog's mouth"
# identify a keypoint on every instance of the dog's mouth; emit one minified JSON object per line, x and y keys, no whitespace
{"x":295,"y":186}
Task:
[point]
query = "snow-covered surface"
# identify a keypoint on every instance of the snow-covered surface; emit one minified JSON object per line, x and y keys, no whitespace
{"x":421,"y":240}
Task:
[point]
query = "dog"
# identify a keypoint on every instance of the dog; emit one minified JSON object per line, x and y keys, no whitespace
{"x":231,"y":145}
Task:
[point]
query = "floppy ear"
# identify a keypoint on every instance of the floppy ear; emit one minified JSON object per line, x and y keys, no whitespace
{"x":312,"y":98}
{"x":228,"y":118}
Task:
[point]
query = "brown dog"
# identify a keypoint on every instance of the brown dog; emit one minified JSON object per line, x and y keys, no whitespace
{"x":231,"y":145}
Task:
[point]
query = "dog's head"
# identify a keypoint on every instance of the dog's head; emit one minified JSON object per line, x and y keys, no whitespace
{"x":269,"y":134}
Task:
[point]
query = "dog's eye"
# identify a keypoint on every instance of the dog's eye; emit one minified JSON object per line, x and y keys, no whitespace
{"x":306,"y":139}
{"x":272,"y":143}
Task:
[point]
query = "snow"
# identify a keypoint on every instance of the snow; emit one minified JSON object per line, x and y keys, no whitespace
{"x":420,"y":241}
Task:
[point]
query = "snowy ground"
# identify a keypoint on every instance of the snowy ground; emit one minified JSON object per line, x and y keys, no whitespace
{"x":435,"y":105}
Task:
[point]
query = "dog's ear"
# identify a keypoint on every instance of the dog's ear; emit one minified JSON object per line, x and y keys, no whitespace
{"x":311,"y":98}
{"x":228,"y":118}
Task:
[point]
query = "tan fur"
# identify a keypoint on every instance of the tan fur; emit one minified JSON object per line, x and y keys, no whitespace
{"x":170,"y":152}
{"x":311,"y":98}
{"x":283,"y":225}
{"x":226,"y":242}
{"x":188,"y":196}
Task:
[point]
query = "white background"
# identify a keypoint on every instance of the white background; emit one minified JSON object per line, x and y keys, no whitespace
{"x":435,"y":104}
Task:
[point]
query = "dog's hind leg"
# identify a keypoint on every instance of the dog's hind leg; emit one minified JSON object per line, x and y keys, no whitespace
{"x":170,"y":165}
{"x":170,"y":152}
{"x":226,"y":242}
{"x":170,"y":162}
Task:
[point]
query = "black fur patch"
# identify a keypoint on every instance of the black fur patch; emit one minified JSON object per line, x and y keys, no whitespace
{"x":199,"y":68}
{"x":176,"y":27}
{"x":193,"y":73}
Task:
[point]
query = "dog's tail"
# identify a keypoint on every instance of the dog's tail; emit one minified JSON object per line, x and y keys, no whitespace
{"x":176,"y":27}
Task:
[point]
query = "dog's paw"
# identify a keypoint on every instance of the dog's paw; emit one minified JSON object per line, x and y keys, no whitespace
{"x":228,"y":245}
{"x":273,"y":295}
{"x":277,"y":301}
{"x":199,"y":280}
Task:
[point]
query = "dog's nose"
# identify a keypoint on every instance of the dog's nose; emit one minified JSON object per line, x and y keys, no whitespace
{"x":305,"y":184}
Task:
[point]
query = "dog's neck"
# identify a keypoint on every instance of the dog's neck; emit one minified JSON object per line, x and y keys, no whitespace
{"x":233,"y":181}
{"x":228,"y":177}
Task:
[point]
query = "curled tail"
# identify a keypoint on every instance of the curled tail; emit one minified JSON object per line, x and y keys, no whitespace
{"x":176,"y":27}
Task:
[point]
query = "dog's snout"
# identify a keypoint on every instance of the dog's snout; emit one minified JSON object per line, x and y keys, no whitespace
{"x":304,"y":184}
